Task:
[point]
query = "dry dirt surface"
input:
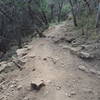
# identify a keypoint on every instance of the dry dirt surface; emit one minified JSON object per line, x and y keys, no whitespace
{"x":66,"y":77}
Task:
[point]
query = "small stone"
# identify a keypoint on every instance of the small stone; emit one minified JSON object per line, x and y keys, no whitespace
{"x":32,"y":56}
{"x":8,"y":94}
{"x":37,"y":85}
{"x":58,"y":88}
{"x":2,"y":98}
{"x":33,"y":69}
{"x":98,"y":98}
{"x":98,"y":73}
{"x":83,"y":68}
{"x":2,"y":79}
{"x":66,"y":94}
{"x":10,"y":64}
{"x":45,"y":59}
{"x":1,"y":88}
{"x":72,"y":93}
{"x":85,"y":55}
{"x":12,"y":86}
{"x":26,"y":98}
{"x":69,"y":95}
{"x":93,"y":71}
{"x":3,"y":67}
{"x":88,"y":90}
{"x":24,"y":54}
{"x":13,"y":82}
{"x":46,"y":93}
{"x":21,"y":52}
{"x":98,"y":77}
{"x":57,"y":59}
{"x":48,"y":81}
{"x":19,"y":87}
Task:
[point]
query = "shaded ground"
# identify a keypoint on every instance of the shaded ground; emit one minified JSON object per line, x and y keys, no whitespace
{"x":58,"y":68}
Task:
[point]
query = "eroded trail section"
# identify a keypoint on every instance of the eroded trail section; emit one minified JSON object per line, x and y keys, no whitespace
{"x":57,"y":67}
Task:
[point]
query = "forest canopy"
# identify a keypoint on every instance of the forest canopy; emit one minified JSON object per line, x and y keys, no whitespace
{"x":21,"y":18}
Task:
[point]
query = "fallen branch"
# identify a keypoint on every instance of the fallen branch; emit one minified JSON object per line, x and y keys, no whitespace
{"x":18,"y":65}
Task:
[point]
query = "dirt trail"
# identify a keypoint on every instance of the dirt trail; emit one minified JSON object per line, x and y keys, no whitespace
{"x":59,"y":70}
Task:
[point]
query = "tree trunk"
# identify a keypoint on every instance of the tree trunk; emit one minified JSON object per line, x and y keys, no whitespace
{"x":52,"y":12}
{"x":73,"y":13}
{"x":88,"y":5}
{"x":98,"y":16}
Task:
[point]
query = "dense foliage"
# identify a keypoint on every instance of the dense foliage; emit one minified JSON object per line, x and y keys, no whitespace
{"x":20,"y":18}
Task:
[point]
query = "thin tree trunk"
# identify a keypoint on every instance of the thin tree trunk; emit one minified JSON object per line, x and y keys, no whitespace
{"x":73,"y":13}
{"x":98,"y":16}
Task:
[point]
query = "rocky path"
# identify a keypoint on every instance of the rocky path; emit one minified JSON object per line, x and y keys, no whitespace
{"x":61,"y":71}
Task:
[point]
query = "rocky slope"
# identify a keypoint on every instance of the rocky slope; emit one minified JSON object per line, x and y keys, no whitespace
{"x":50,"y":68}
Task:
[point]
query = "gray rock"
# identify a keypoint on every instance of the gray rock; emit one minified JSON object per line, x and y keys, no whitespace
{"x":98,"y":73}
{"x":73,"y":50}
{"x":93,"y":71}
{"x":69,"y":95}
{"x":98,"y":77}
{"x":72,"y":93}
{"x":85,"y":55}
{"x":19,"y":87}
{"x":2,"y":78}
{"x":12,"y":86}
{"x":2,"y":68}
{"x":58,"y":87}
{"x":37,"y":85}
{"x":26,"y":98}
{"x":83,"y":68}
{"x":1,"y":88}
{"x":88,"y":90}
{"x":22,"y":52}
{"x":66,"y":94}
{"x":3,"y":65}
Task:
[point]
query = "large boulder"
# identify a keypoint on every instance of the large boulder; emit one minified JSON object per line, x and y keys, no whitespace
{"x":72,"y":50}
{"x":22,"y":52}
{"x":78,"y":51}
{"x":85,"y":55}
{"x":6,"y":66}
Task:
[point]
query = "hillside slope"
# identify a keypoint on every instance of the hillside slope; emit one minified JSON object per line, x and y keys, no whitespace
{"x":66,"y":76}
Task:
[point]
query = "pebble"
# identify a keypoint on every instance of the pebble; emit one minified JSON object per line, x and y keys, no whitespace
{"x":8,"y":94}
{"x":93,"y":71}
{"x":26,"y":98}
{"x":83,"y":68}
{"x":66,"y":94}
{"x":12,"y":86}
{"x":45,"y":59}
{"x":33,"y":69}
{"x":1,"y":88}
{"x":32,"y":56}
{"x":48,"y":81}
{"x":72,"y":93}
{"x":19,"y":87}
{"x":69,"y":95}
{"x":2,"y":98}
{"x":13,"y":82}
{"x":98,"y":98}
{"x":98,"y":77}
{"x":88,"y":90}
{"x":98,"y":73}
{"x":58,"y":88}
{"x":46,"y":93}
{"x":85,"y":55}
